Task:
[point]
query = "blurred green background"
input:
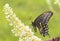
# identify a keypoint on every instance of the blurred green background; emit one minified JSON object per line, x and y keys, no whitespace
{"x":27,"y":11}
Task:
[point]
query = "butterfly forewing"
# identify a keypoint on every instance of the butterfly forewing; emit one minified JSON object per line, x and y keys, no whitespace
{"x":47,"y":16}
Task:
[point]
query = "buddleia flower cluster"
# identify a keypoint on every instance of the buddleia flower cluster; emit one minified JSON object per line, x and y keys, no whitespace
{"x":54,"y":39}
{"x":23,"y":32}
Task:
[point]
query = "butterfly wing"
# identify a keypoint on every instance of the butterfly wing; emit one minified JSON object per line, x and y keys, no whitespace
{"x":37,"y":21}
{"x":44,"y":23}
{"x":47,"y":16}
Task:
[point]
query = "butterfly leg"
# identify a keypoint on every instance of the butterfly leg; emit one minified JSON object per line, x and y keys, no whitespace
{"x":39,"y":27}
{"x":35,"y":29}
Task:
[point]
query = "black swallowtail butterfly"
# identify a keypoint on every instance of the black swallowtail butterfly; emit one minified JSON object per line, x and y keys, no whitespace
{"x":41,"y":23}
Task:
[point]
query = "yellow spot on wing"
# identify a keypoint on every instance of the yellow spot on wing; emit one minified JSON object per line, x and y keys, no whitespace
{"x":44,"y":26}
{"x":40,"y":23}
{"x":41,"y":26}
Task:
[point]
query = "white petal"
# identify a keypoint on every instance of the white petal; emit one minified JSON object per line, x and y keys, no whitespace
{"x":11,"y":24}
{"x":6,"y":5}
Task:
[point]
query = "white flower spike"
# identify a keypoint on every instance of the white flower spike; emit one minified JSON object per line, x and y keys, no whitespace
{"x":24,"y":32}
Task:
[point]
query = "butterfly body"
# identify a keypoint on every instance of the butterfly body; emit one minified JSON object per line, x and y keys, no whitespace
{"x":41,"y":23}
